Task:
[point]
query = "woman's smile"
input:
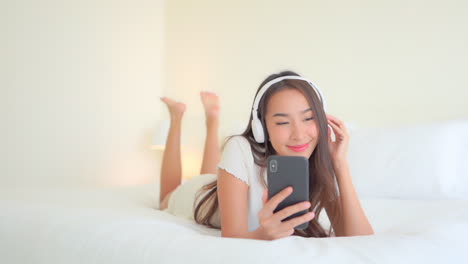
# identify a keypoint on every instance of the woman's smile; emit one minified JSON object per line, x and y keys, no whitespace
{"x":299,"y":148}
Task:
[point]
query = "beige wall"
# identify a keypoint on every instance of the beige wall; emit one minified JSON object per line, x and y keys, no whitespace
{"x":80,"y":80}
{"x":377,"y":62}
{"x":80,"y":85}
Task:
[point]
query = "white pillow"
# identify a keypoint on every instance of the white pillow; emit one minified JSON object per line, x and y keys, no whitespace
{"x":413,"y":162}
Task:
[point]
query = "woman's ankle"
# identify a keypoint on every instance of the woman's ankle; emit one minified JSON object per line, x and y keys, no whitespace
{"x":212,"y":122}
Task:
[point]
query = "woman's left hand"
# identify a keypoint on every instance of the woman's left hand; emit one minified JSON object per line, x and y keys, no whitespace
{"x":338,"y":148}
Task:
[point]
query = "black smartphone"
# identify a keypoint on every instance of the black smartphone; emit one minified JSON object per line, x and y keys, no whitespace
{"x":284,"y":171}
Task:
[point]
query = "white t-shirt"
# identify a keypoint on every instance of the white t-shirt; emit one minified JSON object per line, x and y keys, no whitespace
{"x":237,"y":159}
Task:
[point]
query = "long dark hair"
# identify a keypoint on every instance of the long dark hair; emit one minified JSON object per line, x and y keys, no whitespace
{"x":323,"y":187}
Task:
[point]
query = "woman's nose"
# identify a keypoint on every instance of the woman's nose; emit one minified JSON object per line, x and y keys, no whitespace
{"x":298,"y":131}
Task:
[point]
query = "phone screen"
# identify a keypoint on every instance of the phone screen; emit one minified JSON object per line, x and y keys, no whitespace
{"x":284,"y":171}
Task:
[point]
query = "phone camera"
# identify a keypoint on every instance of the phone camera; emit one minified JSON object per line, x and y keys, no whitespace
{"x":273,"y":166}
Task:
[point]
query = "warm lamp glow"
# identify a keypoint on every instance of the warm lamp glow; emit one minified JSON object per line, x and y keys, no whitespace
{"x":158,"y":147}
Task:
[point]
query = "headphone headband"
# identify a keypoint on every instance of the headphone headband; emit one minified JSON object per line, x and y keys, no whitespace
{"x":256,"y":124}
{"x":279,"y":79}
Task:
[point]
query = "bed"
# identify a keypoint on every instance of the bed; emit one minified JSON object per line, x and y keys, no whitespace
{"x":415,"y":221}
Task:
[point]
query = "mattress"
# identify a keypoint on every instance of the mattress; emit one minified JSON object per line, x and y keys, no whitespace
{"x":123,"y":225}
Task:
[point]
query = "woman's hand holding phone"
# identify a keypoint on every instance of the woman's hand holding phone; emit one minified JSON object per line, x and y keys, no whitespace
{"x":271,"y":226}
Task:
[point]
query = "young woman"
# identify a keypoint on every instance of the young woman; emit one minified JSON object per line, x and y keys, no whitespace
{"x":288,"y":118}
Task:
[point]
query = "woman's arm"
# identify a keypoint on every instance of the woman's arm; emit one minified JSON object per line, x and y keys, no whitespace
{"x":354,"y":221}
{"x":233,"y":206}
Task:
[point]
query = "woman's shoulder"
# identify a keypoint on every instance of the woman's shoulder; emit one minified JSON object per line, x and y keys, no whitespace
{"x":238,"y":138}
{"x":237,"y":141}
{"x":240,"y":145}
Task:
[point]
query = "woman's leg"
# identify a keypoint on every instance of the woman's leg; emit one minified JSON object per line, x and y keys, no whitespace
{"x":171,"y":168}
{"x":211,"y":153}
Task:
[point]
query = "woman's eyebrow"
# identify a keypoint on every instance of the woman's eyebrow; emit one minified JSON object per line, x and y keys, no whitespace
{"x":280,"y":114}
{"x":283,"y":114}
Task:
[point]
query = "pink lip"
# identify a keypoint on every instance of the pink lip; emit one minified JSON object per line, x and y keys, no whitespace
{"x":299,"y":148}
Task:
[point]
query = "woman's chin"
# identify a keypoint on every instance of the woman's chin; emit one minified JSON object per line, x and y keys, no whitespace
{"x":305,"y":154}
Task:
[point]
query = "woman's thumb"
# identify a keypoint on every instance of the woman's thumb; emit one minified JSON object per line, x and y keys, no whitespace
{"x":265,"y":196}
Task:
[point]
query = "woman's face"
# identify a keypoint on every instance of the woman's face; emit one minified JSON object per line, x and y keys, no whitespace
{"x":291,"y":124}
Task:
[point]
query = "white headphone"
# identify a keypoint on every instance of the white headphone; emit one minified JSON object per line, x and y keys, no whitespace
{"x":257,"y":128}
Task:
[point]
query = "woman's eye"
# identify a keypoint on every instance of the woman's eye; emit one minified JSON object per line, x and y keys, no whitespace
{"x":282,"y":123}
{"x":310,"y":118}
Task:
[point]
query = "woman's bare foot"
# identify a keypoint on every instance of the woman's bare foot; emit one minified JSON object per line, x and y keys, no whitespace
{"x":210,"y":103}
{"x":176,"y":109}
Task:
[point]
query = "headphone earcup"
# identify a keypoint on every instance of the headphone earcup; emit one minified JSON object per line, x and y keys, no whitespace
{"x":257,"y":130}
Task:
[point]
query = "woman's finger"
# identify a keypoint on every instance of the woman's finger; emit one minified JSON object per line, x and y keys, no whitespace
{"x":335,"y":120}
{"x":329,"y":133}
{"x":278,"y":198}
{"x":335,"y":127}
{"x":331,"y":117}
{"x":340,"y":123}
{"x":290,"y":210}
{"x":292,"y":223}
{"x":265,"y":196}
{"x":342,"y":127}
{"x":339,"y":133}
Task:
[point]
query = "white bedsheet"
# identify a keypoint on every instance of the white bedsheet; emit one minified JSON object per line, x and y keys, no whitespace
{"x":121,"y":225}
